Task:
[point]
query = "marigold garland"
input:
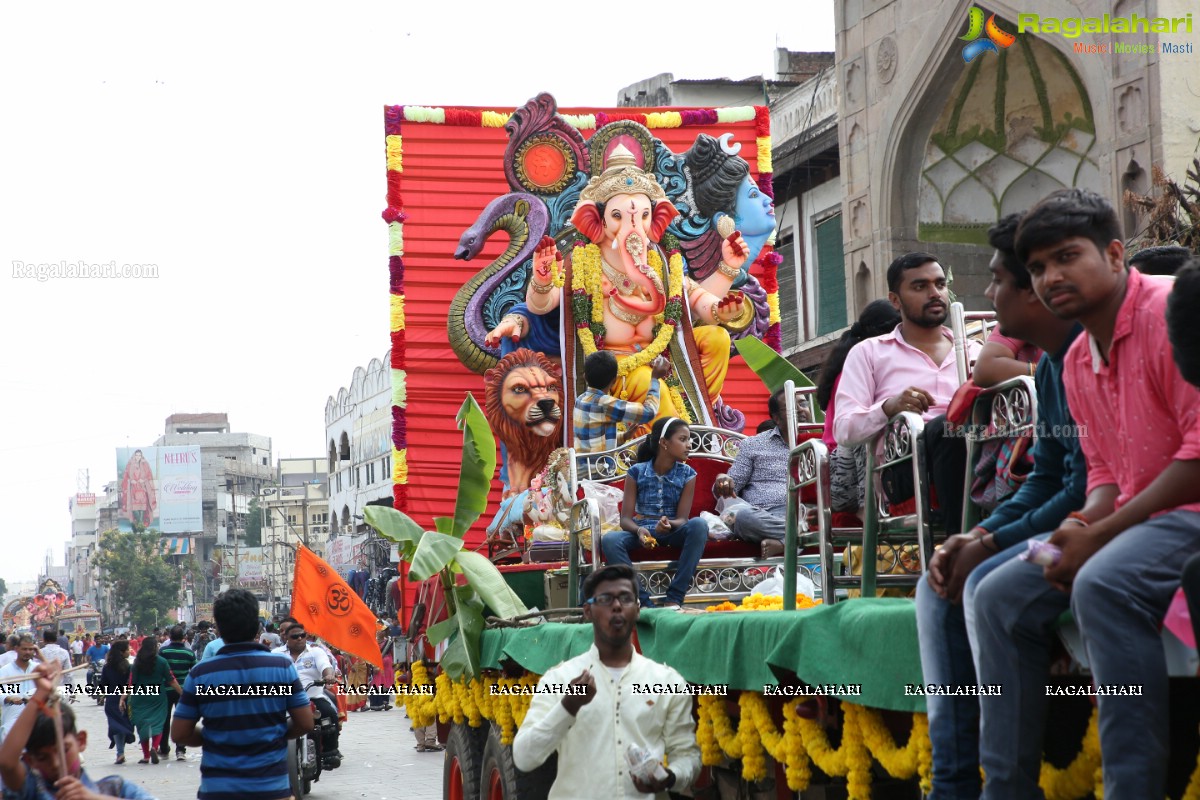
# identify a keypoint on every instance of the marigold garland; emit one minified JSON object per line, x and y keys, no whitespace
{"x":585,"y":292}
{"x":1079,"y":778}
{"x":758,"y":602}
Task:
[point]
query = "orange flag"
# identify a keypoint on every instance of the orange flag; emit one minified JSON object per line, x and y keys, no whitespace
{"x":326,"y":606}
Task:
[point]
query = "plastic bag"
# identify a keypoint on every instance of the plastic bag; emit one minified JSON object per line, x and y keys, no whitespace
{"x":645,"y":764}
{"x":718,"y":531}
{"x":608,"y":498}
{"x":773,"y":585}
{"x":728,"y":507}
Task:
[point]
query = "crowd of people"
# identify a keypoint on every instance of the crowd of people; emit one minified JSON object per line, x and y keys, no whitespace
{"x":158,"y":688}
{"x":1112,"y":481}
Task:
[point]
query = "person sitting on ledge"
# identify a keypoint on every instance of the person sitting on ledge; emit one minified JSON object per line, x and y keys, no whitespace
{"x":658,"y":496}
{"x":759,"y":476}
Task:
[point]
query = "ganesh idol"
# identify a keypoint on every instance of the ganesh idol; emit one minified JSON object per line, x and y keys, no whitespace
{"x":627,"y":291}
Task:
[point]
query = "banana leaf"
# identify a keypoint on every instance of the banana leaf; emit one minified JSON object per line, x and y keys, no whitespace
{"x":462,"y":656}
{"x":435,"y":551}
{"x":772,"y":369}
{"x":395,"y":526}
{"x":478,"y":467}
{"x":485,"y":579}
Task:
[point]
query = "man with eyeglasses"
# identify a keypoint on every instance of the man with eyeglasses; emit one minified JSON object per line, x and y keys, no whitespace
{"x":583,"y":727}
{"x":314,"y":667}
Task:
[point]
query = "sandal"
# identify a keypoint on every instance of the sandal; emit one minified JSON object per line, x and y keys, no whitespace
{"x":143,"y":761}
{"x":120,"y":759}
{"x":434,"y":748}
{"x":419,"y":748}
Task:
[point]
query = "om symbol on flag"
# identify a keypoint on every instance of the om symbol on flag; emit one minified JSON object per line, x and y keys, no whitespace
{"x":337,"y":599}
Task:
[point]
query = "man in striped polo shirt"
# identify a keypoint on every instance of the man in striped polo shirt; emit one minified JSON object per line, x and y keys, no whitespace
{"x":245,"y":695}
{"x":181,"y":659}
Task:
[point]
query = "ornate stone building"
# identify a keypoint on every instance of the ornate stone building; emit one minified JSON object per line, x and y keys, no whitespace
{"x":935,"y":148}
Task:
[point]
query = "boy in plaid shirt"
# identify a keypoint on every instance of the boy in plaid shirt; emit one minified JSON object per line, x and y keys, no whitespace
{"x":597,"y":413}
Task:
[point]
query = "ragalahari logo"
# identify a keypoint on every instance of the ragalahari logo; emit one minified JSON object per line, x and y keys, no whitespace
{"x":996,"y":40}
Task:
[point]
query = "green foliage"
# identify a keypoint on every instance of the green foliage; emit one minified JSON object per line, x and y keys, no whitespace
{"x":440,"y":551}
{"x":138,"y":576}
{"x":254,"y":523}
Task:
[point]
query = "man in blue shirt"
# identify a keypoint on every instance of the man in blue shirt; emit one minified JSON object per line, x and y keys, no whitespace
{"x":1056,"y":487}
{"x":245,"y":695}
{"x":98,"y":651}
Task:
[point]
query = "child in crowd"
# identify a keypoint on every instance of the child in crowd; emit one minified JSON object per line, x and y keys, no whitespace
{"x":29,"y":757}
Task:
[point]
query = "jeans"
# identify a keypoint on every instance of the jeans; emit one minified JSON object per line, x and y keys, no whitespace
{"x":942,"y":629}
{"x":756,"y":524}
{"x":690,"y":538}
{"x":1119,"y":598}
{"x":119,"y":741}
{"x":165,"y":746}
{"x":329,"y":735}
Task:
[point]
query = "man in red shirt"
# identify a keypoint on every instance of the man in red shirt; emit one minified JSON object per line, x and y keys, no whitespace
{"x":1122,"y":555}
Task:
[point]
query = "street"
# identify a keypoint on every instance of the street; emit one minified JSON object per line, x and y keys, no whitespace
{"x":377,"y":746}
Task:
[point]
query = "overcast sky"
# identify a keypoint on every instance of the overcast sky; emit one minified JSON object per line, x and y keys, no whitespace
{"x":239,"y":148}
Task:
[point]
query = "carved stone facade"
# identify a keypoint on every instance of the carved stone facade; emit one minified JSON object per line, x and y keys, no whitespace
{"x":933,"y":149}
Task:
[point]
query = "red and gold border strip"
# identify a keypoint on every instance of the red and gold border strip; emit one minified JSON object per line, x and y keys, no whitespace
{"x":394,"y":215}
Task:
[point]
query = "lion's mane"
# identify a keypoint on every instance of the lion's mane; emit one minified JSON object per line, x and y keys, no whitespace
{"x":524,"y":446}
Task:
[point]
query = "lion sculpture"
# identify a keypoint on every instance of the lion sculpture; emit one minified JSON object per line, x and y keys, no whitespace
{"x":523,"y":405}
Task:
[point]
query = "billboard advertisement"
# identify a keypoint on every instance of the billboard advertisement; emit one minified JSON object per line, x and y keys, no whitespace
{"x":159,"y":487}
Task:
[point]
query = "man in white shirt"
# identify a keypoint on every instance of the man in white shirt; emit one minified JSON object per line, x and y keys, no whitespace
{"x":583,"y":727}
{"x":16,"y":695}
{"x":314,"y":667}
{"x":53,"y":651}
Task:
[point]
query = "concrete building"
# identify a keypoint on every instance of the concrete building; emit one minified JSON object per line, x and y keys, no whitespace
{"x":235,"y":467}
{"x":81,"y":547}
{"x":358,"y":430}
{"x":294,"y":511}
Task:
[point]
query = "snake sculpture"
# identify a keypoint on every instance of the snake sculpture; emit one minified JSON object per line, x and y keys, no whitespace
{"x":525,"y":219}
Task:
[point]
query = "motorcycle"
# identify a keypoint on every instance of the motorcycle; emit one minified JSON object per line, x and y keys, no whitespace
{"x":306,"y":759}
{"x":93,"y":681}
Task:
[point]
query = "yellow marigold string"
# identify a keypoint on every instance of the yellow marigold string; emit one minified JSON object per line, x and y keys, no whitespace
{"x":493,"y":119}
{"x":400,"y":465}
{"x":710,"y":748}
{"x":681,"y":408}
{"x":858,"y":758}
{"x":394,"y":152}
{"x":1079,"y":777}
{"x":797,"y":765}
{"x":1193,"y":788}
{"x":585,"y":265}
{"x":764,"y":154}
{"x":444,"y":698}
{"x":900,"y":762}
{"x":397,"y":309}
{"x":754,"y":762}
{"x":773,"y":307}
{"x":664,"y":119}
{"x":420,"y":707}
{"x":759,"y":602}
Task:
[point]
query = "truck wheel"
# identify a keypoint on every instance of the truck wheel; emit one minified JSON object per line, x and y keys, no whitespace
{"x":501,"y":780}
{"x":464,"y":752}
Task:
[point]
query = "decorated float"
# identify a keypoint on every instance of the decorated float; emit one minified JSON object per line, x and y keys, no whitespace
{"x":508,"y":267}
{"x":50,"y":608}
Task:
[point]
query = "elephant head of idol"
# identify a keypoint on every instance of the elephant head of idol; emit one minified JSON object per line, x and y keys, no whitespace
{"x":624,"y":211}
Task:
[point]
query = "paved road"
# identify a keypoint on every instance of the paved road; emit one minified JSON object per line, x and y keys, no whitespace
{"x":380,"y":762}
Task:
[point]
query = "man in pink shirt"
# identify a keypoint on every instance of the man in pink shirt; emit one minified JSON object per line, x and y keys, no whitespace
{"x":1122,"y":555}
{"x":913,"y":369}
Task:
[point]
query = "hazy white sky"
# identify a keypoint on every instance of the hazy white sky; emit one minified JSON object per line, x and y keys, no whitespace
{"x":239,"y":147}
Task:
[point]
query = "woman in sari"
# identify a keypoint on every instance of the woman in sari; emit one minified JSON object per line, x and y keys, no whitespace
{"x":148,"y":712}
{"x":357,"y":673}
{"x":383,"y":679}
